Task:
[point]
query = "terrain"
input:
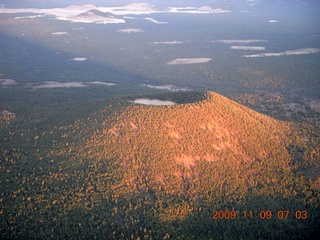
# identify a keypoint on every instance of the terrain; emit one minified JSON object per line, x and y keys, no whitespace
{"x":127,"y":170}
{"x":159,"y":120}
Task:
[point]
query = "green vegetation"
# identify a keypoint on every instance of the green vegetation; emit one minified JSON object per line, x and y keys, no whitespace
{"x":126,"y":171}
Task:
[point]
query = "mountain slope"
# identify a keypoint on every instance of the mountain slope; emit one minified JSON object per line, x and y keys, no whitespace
{"x":127,"y":171}
{"x":96,"y":16}
{"x":171,"y":145}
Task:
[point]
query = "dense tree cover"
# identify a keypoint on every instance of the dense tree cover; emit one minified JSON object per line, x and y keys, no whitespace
{"x":6,"y":117}
{"x":280,"y":106}
{"x":126,"y":171}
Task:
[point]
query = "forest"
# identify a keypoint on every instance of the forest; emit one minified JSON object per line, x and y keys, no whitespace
{"x":236,"y":157}
{"x":130,"y":171}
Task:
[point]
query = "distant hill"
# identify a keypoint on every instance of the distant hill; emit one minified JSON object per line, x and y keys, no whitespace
{"x":139,"y":6}
{"x":95,"y":13}
{"x":97,"y":16}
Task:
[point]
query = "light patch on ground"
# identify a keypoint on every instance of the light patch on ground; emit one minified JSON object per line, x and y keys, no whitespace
{"x":155,"y":21}
{"x":187,"y":161}
{"x":59,"y":33}
{"x":79,"y":59}
{"x":253,"y":2}
{"x":273,"y":21}
{"x":139,"y":6}
{"x":194,"y":10}
{"x":52,"y":84}
{"x":315,"y":105}
{"x":130,"y":30}
{"x":133,"y":8}
{"x":155,"y":102}
{"x":7,"y":113}
{"x":292,"y":106}
{"x":30,"y":17}
{"x":301,"y":51}
{"x":180,"y":61}
{"x":169,"y":42}
{"x":58,"y":13}
{"x":239,"y":41}
{"x":111,"y":20}
{"x":190,"y":161}
{"x":172,"y":88}
{"x":6,"y":117}
{"x":133,"y":126}
{"x":102,"y":83}
{"x":175,"y":135}
{"x":209,"y":158}
{"x":8,"y":82}
{"x":250,"y":48}
{"x":72,"y":12}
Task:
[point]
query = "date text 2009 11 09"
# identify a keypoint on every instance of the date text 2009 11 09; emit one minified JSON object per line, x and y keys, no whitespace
{"x":262,"y":214}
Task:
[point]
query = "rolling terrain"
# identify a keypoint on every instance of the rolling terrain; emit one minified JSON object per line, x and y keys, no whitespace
{"x":127,"y":170}
{"x":149,"y":120}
